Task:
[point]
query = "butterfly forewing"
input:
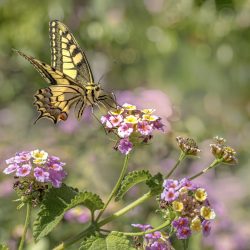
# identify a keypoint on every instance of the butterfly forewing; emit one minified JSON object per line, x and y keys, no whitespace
{"x":67,"y":56}
{"x":50,"y":74}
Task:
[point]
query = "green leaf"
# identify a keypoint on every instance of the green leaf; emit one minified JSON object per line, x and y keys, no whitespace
{"x":92,"y":201}
{"x":94,"y":243}
{"x":114,"y":241}
{"x":155,"y":183}
{"x":117,"y":241}
{"x":3,"y":247}
{"x":58,"y":201}
{"x":130,"y":180}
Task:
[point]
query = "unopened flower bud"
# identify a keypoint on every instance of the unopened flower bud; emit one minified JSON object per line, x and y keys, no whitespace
{"x":222,"y":152}
{"x":187,"y":145}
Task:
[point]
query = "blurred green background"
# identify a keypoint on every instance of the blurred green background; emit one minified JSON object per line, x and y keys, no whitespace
{"x":189,"y":59}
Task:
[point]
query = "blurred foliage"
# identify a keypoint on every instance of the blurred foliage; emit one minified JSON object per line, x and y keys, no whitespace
{"x":196,"y":52}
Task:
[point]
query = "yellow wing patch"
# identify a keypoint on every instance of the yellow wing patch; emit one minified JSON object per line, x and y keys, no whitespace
{"x":67,"y":56}
{"x":50,"y":74}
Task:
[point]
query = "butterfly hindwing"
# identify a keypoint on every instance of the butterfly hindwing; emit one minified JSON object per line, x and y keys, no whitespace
{"x":67,"y":56}
{"x":54,"y":102}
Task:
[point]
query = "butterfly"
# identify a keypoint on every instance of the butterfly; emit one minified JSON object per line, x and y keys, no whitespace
{"x":70,"y":76}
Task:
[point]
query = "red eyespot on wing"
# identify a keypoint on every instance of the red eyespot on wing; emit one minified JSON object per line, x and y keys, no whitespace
{"x":63,"y":116}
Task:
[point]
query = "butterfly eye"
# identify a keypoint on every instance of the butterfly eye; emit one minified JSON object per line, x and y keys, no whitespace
{"x":97,"y":88}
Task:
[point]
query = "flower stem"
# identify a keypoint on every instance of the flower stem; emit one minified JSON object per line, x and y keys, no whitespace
{"x":163,"y":225}
{"x":26,"y":224}
{"x":124,"y":210}
{"x":116,"y":187}
{"x":74,"y":239}
{"x":213,"y":164}
{"x":119,"y":213}
{"x":181,"y":158}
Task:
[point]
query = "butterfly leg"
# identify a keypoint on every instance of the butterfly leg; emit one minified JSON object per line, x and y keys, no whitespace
{"x":79,"y":108}
{"x":92,"y":112}
{"x":104,"y":101}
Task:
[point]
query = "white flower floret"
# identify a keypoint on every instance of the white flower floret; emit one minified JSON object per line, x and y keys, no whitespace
{"x":39,"y":156}
{"x":128,"y":106}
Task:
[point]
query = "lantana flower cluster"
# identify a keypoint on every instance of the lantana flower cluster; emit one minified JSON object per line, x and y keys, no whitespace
{"x":223,"y":152}
{"x":78,"y":214}
{"x":153,"y":241}
{"x":36,"y":166}
{"x":131,"y":125}
{"x":190,"y":205}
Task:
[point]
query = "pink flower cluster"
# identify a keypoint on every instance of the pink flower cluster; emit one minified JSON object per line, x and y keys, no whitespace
{"x":155,"y":240}
{"x":131,"y":125}
{"x":36,"y":165}
{"x":190,"y":205}
{"x":78,"y":214}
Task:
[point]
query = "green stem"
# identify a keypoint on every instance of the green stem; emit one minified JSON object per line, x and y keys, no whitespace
{"x":74,"y":239}
{"x":26,"y":224}
{"x":124,"y":210}
{"x":92,"y":217}
{"x":116,"y":187}
{"x":119,"y":213}
{"x":163,"y":225}
{"x":213,"y":164}
{"x":181,"y":158}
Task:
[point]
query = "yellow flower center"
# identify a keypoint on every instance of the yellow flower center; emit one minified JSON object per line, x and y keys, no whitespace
{"x":40,"y":157}
{"x":148,"y":111}
{"x":200,"y":194}
{"x":177,"y":206}
{"x":150,"y":118}
{"x":129,"y":106}
{"x":196,"y":224}
{"x":207,"y":213}
{"x":131,"y":119}
{"x":183,"y":190}
{"x":117,"y":112}
{"x":77,"y":210}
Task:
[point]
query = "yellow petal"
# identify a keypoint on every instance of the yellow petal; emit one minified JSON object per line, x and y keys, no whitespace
{"x":196,"y":224}
{"x":150,"y":118}
{"x":200,"y":194}
{"x":148,"y":111}
{"x":131,"y":119}
{"x":128,"y":106}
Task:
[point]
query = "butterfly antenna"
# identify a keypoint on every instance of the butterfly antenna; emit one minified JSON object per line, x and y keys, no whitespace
{"x":102,"y":76}
{"x":114,"y":99}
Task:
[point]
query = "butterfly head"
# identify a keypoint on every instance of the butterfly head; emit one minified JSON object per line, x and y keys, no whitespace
{"x":97,"y":90}
{"x":93,"y":92}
